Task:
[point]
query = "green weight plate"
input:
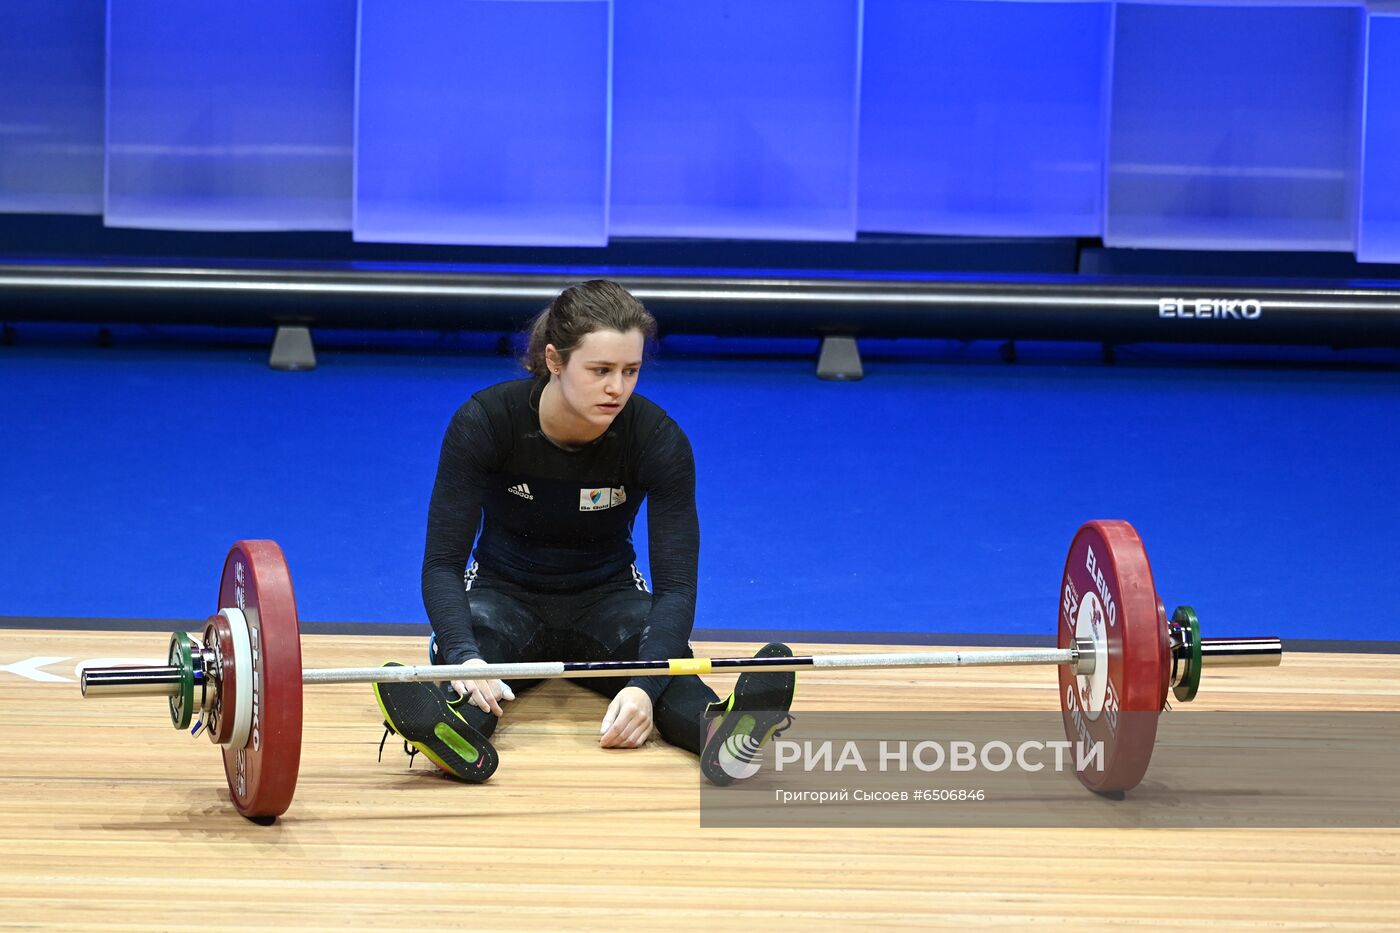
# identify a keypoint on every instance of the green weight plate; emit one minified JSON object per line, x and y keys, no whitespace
{"x":1185,"y":691}
{"x":182,"y":656}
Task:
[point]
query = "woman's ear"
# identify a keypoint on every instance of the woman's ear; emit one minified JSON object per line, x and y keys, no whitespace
{"x":552,"y":361}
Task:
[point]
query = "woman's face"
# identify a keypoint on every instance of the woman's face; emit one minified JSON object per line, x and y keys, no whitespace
{"x":600,"y":376}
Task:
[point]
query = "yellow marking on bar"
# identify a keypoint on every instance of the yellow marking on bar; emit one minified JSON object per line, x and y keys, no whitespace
{"x":690,"y":665}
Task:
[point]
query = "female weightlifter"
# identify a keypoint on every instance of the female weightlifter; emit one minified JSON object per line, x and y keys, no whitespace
{"x":551,"y":470}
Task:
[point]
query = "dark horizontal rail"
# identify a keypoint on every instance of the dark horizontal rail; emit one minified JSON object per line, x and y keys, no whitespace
{"x":1045,"y":307}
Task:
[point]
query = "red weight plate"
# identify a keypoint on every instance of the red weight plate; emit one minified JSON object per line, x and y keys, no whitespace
{"x":262,"y":775}
{"x":1107,"y":588}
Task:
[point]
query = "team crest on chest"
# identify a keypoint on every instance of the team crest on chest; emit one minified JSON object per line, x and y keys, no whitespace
{"x":592,"y":500}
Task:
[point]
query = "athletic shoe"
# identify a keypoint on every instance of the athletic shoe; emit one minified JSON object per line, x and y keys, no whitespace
{"x":755,"y":714}
{"x":421,"y":714}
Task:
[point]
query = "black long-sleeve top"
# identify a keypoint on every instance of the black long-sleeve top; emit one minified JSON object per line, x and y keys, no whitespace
{"x":556,"y":519}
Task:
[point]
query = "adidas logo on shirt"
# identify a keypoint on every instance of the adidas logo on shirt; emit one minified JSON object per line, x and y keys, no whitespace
{"x":523,"y":491}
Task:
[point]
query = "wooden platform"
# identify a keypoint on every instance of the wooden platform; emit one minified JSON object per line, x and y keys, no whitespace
{"x":110,"y":820}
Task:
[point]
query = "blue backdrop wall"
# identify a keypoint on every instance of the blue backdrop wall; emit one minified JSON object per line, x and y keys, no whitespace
{"x":1248,"y":125}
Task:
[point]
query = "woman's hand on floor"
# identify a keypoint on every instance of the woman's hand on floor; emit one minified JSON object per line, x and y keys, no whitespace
{"x":627,"y":723}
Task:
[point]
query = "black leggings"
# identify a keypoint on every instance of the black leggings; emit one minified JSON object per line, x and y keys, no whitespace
{"x":514,"y":624}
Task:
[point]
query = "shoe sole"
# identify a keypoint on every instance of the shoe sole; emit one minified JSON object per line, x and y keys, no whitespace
{"x":450,"y":742}
{"x":754,"y":695}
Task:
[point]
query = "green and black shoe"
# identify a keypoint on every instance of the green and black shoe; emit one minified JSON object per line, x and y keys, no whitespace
{"x":755,"y":713}
{"x":420,"y":713}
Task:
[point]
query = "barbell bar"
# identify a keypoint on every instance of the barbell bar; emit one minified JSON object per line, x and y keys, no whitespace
{"x":1117,"y":652}
{"x":165,"y":680}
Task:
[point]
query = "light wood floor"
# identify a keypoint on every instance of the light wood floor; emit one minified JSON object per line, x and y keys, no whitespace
{"x":111,"y":820}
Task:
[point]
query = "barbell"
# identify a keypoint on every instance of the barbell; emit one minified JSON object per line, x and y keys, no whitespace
{"x":1118,"y":654}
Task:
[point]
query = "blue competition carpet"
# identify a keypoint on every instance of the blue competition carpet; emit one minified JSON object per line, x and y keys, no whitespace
{"x":938,"y":495}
